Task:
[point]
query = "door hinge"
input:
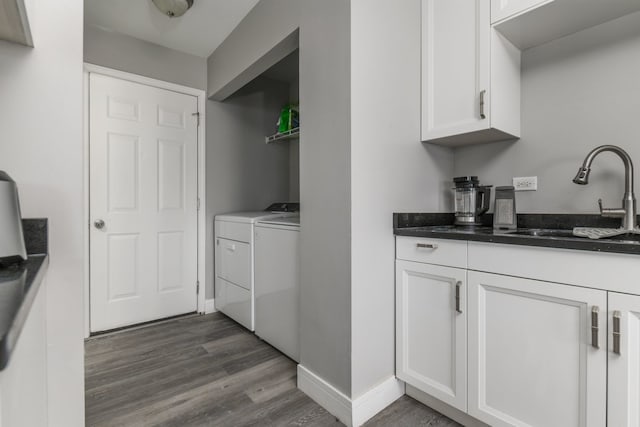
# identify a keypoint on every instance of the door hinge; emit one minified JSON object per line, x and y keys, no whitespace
{"x":197,"y":114}
{"x":198,"y":287}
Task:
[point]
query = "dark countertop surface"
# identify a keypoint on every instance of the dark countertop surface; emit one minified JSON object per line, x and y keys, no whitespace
{"x":19,"y":285}
{"x":439,"y":226}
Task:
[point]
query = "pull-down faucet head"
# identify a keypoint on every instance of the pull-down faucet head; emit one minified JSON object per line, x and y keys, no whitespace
{"x":582,"y":177}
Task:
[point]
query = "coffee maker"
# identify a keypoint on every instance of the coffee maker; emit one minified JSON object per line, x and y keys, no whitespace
{"x":471,"y":200}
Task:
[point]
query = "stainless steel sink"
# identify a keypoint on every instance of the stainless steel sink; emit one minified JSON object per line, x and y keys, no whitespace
{"x":541,"y":232}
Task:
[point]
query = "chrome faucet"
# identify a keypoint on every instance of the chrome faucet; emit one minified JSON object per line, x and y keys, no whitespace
{"x":628,"y":210}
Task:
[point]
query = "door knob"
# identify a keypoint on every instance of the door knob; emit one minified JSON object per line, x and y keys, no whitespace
{"x":99,"y":224}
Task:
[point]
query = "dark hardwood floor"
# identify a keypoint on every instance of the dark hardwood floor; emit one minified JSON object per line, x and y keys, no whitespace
{"x":208,"y":371}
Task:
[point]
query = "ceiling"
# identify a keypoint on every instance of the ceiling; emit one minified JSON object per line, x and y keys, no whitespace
{"x":198,"y":32}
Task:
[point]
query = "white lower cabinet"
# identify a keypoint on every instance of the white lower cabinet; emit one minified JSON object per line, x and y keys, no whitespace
{"x":431,"y":349}
{"x":558,"y":348}
{"x":533,"y":360}
{"x":624,"y":360}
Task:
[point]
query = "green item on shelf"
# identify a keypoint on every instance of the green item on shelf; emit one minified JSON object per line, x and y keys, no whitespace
{"x":289,"y":118}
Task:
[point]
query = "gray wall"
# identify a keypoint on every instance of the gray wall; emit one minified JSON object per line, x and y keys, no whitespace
{"x":325,"y":322}
{"x":136,"y":56}
{"x":325,"y":191}
{"x":41,"y":148}
{"x":265,"y":36}
{"x":244,"y":173}
{"x":391,"y":171}
{"x":578,"y":92}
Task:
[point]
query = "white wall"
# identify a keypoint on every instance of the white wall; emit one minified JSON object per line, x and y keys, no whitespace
{"x":125,"y":53}
{"x":244,"y":173}
{"x":578,"y":92}
{"x":391,"y":171}
{"x":41,"y":148}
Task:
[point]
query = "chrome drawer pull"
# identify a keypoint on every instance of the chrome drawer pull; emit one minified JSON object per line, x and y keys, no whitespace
{"x":426,"y":246}
{"x":458,"y":297}
{"x":616,"y":331}
{"x":594,"y":326}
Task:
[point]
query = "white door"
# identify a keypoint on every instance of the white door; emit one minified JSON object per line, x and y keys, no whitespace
{"x":455,"y":67}
{"x":143,"y":188}
{"x":431,"y":330}
{"x":624,"y":360}
{"x":532,"y":358}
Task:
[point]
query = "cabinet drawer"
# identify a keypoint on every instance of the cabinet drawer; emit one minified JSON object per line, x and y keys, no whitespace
{"x":452,"y":253}
{"x":233,"y":231}
{"x":233,"y":262}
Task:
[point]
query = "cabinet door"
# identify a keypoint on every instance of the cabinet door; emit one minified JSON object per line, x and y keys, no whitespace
{"x":624,"y":360}
{"x":455,"y":67}
{"x":532,"y":358}
{"x":502,"y":9}
{"x":431,"y":348}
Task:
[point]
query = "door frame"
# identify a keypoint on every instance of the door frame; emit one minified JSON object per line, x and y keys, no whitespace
{"x":201,"y":176}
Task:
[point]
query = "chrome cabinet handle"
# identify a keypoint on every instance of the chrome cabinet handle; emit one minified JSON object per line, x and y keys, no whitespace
{"x":458,"y":285}
{"x":594,"y":326}
{"x":482,"y":94}
{"x":99,"y":224}
{"x":616,"y":331}
{"x":426,"y":246}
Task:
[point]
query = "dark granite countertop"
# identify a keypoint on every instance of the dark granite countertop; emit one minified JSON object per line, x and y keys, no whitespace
{"x":19,"y":285}
{"x":439,"y":226}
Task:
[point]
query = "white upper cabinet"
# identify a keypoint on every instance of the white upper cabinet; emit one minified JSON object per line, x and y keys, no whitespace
{"x":529,"y":23}
{"x":470,"y":75}
{"x":624,"y":360}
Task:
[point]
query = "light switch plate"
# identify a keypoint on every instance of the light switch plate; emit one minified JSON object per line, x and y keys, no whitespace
{"x":525,"y":183}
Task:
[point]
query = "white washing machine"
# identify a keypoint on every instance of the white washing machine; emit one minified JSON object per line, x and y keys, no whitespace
{"x":277,"y":283}
{"x":234,"y":261}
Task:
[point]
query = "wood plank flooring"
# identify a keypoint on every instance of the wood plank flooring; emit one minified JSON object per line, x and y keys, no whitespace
{"x":208,"y":371}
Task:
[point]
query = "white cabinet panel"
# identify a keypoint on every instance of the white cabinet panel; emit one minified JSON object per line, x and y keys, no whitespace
{"x":532,"y":359}
{"x":450,"y":253}
{"x":624,"y":362}
{"x":459,"y":56}
{"x":431,"y":348}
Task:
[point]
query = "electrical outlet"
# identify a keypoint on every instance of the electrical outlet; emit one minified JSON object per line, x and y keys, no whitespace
{"x":525,"y":183}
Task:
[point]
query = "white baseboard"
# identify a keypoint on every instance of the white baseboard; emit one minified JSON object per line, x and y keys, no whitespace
{"x":329,"y":397}
{"x":353,"y":413}
{"x":209,"y":306}
{"x":375,"y":400}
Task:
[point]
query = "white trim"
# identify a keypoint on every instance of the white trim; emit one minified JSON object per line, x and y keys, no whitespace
{"x":352,"y":413}
{"x":209,"y":306}
{"x":202,"y":100}
{"x":85,"y":202}
{"x":375,"y":400}
{"x":332,"y":399}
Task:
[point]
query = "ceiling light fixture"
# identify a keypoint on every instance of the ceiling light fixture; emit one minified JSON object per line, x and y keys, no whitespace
{"x":173,"y":8}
